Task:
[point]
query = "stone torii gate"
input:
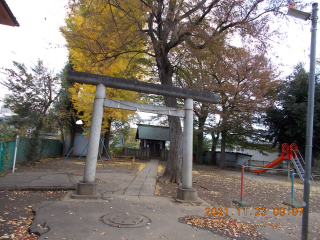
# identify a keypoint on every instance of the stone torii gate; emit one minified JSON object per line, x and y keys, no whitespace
{"x":87,"y":188}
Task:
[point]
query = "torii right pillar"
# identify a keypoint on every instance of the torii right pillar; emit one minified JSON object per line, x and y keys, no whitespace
{"x":186,"y":192}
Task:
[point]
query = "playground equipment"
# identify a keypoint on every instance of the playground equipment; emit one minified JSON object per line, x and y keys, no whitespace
{"x":291,"y":3}
{"x":241,"y":202}
{"x":292,"y":204}
{"x":88,"y":127}
{"x":290,"y":153}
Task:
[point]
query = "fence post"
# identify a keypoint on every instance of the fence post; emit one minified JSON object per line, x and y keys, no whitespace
{"x":1,"y":146}
{"x":15,"y":154}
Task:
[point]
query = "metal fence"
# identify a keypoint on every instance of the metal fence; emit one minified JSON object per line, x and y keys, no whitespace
{"x":6,"y":155}
{"x":50,"y":148}
{"x":143,"y":153}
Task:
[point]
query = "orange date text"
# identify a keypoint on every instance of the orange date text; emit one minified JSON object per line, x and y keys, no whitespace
{"x":261,"y":211}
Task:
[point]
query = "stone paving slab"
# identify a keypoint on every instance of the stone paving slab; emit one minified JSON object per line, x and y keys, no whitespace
{"x":111,"y":182}
{"x":145,"y":183}
{"x":37,"y":181}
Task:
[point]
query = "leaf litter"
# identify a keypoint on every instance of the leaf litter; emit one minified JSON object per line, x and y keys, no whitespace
{"x":232,"y":227}
{"x":16,"y":215}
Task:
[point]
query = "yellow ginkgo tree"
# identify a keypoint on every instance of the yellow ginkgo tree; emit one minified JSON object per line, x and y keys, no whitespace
{"x":89,"y":36}
{"x":83,"y":97}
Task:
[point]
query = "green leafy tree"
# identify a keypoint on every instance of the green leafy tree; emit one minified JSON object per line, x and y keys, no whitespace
{"x":287,"y":119}
{"x":33,"y":93}
{"x":64,"y":111}
{"x":122,"y":135}
{"x":7,"y":133}
{"x":206,"y":144}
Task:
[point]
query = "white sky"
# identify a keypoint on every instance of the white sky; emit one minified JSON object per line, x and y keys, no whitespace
{"x":38,"y":37}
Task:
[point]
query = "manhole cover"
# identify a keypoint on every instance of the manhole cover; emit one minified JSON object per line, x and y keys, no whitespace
{"x":125,"y":220}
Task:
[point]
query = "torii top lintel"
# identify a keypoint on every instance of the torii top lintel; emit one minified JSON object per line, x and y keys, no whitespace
{"x":143,"y":87}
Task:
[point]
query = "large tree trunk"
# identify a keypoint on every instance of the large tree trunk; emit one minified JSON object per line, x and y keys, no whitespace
{"x":199,"y":159}
{"x":72,"y":130}
{"x":107,"y":139}
{"x":173,"y":169}
{"x":172,"y":172}
{"x":223,"y":138}
{"x":223,"y":149}
{"x":32,"y":149}
{"x":213,"y":158}
{"x":63,"y":138}
{"x":202,"y":121}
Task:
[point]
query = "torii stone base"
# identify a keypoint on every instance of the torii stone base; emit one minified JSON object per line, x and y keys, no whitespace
{"x":187,"y":195}
{"x":86,"y":191}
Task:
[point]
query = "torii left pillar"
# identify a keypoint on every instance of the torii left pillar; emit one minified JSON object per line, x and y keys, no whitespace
{"x":88,"y":187}
{"x":186,"y":193}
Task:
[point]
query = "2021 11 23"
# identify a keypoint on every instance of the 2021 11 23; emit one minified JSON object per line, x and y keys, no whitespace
{"x":261,"y":211}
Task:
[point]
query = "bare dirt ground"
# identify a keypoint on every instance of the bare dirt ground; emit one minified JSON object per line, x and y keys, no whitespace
{"x":265,"y":193}
{"x":74,"y":166}
{"x":220,"y":187}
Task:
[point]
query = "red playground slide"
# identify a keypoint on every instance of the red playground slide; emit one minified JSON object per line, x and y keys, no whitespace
{"x":270,"y":165}
{"x":287,"y":153}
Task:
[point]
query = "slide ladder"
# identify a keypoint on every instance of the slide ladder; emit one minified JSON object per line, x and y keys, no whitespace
{"x":298,"y":166}
{"x":298,"y":161}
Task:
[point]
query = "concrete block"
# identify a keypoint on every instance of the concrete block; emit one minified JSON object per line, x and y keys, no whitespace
{"x":87,"y":188}
{"x":187,"y":194}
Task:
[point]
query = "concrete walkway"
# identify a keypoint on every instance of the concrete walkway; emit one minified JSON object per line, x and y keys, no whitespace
{"x":145,"y":183}
{"x":38,"y":181}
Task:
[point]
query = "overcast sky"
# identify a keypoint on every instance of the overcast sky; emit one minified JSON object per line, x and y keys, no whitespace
{"x":38,"y":37}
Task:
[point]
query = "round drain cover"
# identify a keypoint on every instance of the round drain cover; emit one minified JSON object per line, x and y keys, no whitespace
{"x":125,"y":220}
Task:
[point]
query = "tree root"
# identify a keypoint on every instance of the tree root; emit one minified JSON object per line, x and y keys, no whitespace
{"x":167,"y":177}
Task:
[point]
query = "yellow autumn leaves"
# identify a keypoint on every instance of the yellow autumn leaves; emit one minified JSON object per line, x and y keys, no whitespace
{"x":96,"y":45}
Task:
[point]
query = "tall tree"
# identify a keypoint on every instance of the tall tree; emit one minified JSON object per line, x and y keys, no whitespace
{"x":246,"y":82}
{"x":64,"y":110}
{"x":122,"y":135}
{"x":287,"y":118}
{"x":162,"y":26}
{"x":88,"y":34}
{"x":33,"y":93}
{"x":247,"y":88}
